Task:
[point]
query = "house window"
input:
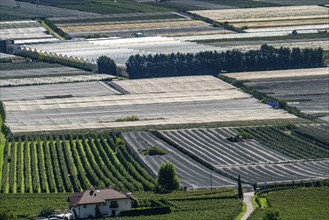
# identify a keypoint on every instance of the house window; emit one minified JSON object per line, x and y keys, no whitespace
{"x":84,"y":206}
{"x":114,"y":204}
{"x":104,"y":204}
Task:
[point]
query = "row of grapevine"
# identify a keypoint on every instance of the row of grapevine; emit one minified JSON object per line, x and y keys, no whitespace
{"x":70,"y":163}
{"x":286,"y":143}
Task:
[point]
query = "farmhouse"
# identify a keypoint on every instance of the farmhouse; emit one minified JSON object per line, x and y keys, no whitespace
{"x":100,"y":202}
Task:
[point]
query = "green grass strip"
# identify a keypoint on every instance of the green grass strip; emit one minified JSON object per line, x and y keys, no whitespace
{"x":243,"y":211}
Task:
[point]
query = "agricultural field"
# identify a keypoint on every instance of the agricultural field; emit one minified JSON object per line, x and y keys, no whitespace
{"x":304,"y":89}
{"x":258,"y":154}
{"x":318,"y":133}
{"x":27,"y":29}
{"x":11,"y":9}
{"x":181,"y":203}
{"x":268,"y":17}
{"x":297,"y":2}
{"x":118,"y":49}
{"x":301,"y":203}
{"x":126,"y":25}
{"x":70,"y":163}
{"x":121,"y":49}
{"x":44,"y":73}
{"x":192,"y":174}
{"x":9,"y":58}
{"x":94,"y":105}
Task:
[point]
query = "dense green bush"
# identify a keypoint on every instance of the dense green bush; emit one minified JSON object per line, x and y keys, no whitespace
{"x":106,"y":65}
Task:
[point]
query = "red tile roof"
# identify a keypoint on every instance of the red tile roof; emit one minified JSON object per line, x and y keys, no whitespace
{"x":95,"y":196}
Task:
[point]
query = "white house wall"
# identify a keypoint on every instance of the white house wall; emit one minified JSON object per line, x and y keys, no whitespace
{"x":124,"y":204}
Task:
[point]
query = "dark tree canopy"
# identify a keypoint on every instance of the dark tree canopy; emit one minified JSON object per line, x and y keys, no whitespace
{"x":240,"y":192}
{"x":167,"y":177}
{"x":213,"y":62}
{"x":106,"y":65}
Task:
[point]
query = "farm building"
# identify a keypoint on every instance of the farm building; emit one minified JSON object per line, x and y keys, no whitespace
{"x":105,"y":202}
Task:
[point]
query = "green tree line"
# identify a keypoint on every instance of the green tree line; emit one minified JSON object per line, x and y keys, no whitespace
{"x":213,"y":62}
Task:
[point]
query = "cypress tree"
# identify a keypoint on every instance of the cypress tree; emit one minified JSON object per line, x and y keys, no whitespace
{"x":240,"y":192}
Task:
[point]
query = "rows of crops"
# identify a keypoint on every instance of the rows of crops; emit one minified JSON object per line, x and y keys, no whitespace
{"x":70,"y":164}
{"x":213,"y":146}
{"x":302,"y":203}
{"x":23,"y":30}
{"x":91,"y":105}
{"x":11,"y":10}
{"x":318,"y":133}
{"x":29,"y":205}
{"x":269,"y":16}
{"x":258,"y":154}
{"x":202,"y":177}
{"x":308,"y":93}
{"x":285,"y":141}
{"x":280,"y":172}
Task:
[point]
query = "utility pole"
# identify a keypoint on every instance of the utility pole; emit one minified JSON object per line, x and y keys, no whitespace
{"x":210,"y":175}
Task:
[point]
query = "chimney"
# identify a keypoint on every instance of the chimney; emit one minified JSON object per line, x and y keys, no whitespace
{"x":95,"y":194}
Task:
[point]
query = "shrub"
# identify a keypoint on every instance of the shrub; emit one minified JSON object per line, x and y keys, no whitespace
{"x":153,"y":150}
{"x":46,"y":211}
{"x":271,"y":214}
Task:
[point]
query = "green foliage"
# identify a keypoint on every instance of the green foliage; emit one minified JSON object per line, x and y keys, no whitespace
{"x":28,"y":204}
{"x":47,"y":210}
{"x":146,"y":211}
{"x":298,"y":203}
{"x":6,"y":215}
{"x":192,"y":204}
{"x":326,"y":57}
{"x":167,"y":178}
{"x":106,"y":65}
{"x":240,"y":192}
{"x":213,"y":62}
{"x":63,"y":163}
{"x":271,"y":214}
{"x":129,"y":118}
{"x":57,"y":30}
{"x":153,"y":150}
{"x":291,"y":145}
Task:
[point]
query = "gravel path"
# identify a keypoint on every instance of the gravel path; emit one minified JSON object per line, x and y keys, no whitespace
{"x":247,"y":200}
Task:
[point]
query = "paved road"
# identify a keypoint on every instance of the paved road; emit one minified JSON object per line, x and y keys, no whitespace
{"x":247,"y":200}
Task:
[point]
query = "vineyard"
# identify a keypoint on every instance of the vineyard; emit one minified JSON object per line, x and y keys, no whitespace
{"x":258,"y":154}
{"x":208,"y":202}
{"x":184,"y":165}
{"x":70,"y":163}
{"x":304,"y":203}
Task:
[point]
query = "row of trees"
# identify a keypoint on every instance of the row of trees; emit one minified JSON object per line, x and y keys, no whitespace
{"x":213,"y":62}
